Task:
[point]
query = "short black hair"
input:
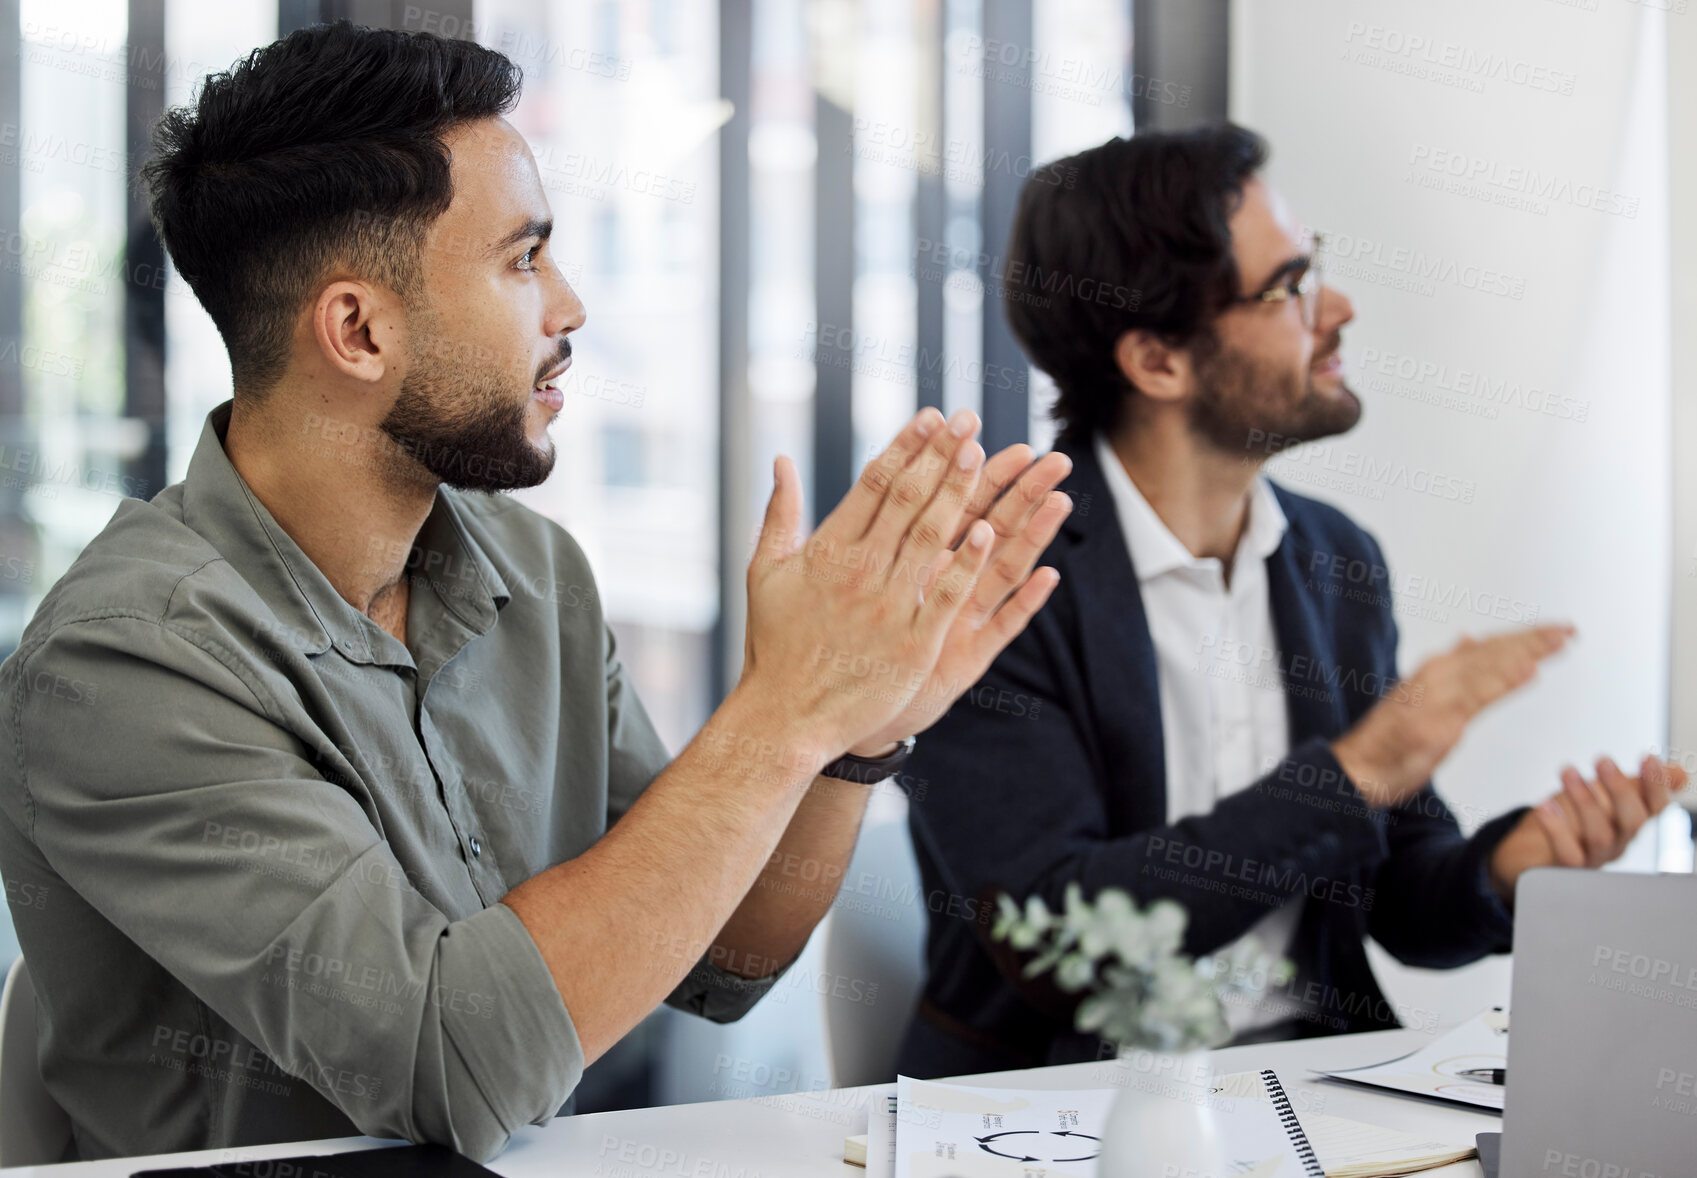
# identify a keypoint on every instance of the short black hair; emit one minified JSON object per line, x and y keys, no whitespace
{"x":323,"y":149}
{"x":1130,"y":235}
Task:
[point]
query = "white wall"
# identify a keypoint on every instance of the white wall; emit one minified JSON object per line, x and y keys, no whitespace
{"x":1556,"y":502}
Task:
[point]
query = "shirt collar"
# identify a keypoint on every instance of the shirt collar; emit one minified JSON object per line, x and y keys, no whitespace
{"x":220,"y":506}
{"x":1155,"y":551}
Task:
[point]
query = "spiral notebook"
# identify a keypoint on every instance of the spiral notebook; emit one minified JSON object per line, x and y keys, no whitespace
{"x":1301,"y":1148}
{"x":1354,"y":1149}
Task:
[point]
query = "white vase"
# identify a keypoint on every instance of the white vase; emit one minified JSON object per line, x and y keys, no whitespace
{"x":1163,"y":1121}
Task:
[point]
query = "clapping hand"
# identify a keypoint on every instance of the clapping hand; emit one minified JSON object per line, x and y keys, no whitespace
{"x":864,"y":632}
{"x":1588,"y":822}
{"x":1391,"y":753}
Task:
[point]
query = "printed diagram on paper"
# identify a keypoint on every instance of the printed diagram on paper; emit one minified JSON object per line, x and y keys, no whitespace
{"x":945,"y":1130}
{"x":1438,"y":1070}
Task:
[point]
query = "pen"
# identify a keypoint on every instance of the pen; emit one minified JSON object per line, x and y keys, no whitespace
{"x":1485,"y":1075}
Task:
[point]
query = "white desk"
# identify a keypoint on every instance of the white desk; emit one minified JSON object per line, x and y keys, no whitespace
{"x":803,"y":1134}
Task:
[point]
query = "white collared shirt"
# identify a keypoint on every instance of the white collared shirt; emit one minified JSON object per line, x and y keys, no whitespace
{"x":1224,"y":717}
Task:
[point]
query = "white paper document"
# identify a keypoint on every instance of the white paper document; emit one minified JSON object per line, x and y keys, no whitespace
{"x":1440,"y":1069}
{"x":953,"y":1131}
{"x":881,"y":1135}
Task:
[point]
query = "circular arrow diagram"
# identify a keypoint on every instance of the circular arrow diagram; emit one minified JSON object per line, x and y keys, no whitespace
{"x":984,"y":1144}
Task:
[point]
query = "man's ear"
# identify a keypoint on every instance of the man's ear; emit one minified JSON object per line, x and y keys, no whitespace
{"x":1155,"y":368}
{"x":352,"y":331}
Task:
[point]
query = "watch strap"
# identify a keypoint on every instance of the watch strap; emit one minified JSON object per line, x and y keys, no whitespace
{"x":869,"y":770}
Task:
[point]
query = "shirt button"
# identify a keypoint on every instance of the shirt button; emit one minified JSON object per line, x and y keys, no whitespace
{"x":476,"y":848}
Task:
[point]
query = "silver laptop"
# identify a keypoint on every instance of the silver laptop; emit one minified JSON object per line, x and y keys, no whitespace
{"x":1602,"y":1065}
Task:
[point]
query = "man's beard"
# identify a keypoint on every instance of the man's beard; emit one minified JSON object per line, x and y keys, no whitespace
{"x":462,"y":425}
{"x":1244,"y":406}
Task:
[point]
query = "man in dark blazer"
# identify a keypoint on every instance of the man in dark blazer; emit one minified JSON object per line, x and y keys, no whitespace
{"x":1209,"y":708}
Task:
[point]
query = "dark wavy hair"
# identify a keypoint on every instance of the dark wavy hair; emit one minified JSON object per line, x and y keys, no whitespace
{"x":321,"y":150}
{"x":1135,"y":233}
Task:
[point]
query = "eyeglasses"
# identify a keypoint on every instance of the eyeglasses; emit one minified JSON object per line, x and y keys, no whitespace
{"x":1305,"y":289}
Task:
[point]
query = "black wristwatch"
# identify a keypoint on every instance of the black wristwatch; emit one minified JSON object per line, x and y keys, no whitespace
{"x":869,"y":770}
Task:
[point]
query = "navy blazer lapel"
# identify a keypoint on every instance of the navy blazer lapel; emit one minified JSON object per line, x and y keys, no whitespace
{"x":1114,"y":644}
{"x":1308,"y":655}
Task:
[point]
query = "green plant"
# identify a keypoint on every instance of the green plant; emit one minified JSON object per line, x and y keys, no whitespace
{"x":1141,"y":991}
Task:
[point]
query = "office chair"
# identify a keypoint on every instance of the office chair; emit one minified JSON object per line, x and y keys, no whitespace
{"x":34,"y":1130}
{"x":875,"y":936}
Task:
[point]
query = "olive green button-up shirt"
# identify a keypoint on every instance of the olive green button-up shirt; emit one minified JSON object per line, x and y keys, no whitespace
{"x":254,"y":846}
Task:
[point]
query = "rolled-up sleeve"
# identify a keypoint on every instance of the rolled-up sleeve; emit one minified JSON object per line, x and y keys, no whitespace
{"x":718,"y":994}
{"x":159,"y":784}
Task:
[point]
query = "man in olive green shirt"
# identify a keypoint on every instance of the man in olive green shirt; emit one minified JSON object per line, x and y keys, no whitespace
{"x":256,"y":867}
{"x":336,"y":808}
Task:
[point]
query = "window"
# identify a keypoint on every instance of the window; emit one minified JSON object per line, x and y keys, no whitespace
{"x":201,"y":37}
{"x":620,"y":105}
{"x":65,"y":448}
